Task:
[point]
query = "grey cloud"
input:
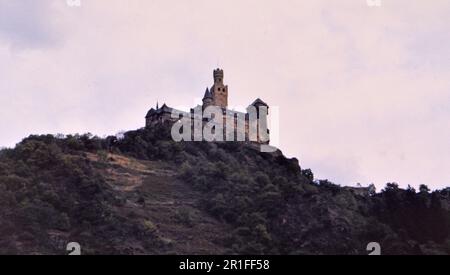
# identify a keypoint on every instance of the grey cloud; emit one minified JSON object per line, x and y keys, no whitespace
{"x":27,"y":23}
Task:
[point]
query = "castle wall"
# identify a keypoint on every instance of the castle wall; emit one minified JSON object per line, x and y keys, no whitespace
{"x":239,"y":128}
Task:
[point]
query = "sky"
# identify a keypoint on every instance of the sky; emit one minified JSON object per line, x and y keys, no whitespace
{"x":363,"y":91}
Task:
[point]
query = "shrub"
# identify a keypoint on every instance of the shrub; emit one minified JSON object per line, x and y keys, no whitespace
{"x":307,"y":173}
{"x":185,"y":216}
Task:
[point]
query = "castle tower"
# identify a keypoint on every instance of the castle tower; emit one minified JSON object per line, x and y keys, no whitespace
{"x":219,"y":91}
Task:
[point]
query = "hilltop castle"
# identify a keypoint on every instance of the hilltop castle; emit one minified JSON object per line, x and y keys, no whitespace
{"x":217,"y":96}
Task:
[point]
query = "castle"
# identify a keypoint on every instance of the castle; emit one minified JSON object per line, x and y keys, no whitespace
{"x":253,"y":128}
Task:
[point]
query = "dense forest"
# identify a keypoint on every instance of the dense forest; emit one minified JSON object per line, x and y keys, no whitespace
{"x":142,"y":193}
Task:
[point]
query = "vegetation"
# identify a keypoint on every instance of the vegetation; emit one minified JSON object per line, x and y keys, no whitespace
{"x":53,"y":189}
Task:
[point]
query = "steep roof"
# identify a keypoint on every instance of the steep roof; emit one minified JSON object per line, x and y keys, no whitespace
{"x":164,"y":109}
{"x":150,"y":113}
{"x":259,"y":102}
{"x":207,"y":94}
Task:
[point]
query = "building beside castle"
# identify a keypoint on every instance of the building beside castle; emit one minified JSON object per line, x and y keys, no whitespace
{"x":217,"y":96}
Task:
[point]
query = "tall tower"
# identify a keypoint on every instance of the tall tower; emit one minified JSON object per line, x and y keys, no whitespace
{"x":219,"y":91}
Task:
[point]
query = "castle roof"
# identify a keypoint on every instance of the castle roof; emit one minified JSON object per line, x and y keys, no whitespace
{"x":259,"y":102}
{"x":207,"y":94}
{"x":164,"y":109}
{"x":150,"y":113}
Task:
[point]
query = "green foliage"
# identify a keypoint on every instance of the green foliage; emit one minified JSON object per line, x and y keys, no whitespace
{"x":47,"y":184}
{"x":185,"y":216}
{"x":307,"y":173}
{"x":269,"y":205}
{"x":424,"y":189}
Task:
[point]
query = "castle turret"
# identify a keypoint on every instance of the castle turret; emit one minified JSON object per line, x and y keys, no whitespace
{"x":259,"y":103}
{"x":218,"y":76}
{"x":219,"y":91}
{"x":262,"y":110}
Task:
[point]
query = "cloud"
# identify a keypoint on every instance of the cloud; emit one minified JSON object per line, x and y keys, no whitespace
{"x":27,"y":24}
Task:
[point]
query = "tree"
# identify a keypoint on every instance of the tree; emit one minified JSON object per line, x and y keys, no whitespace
{"x":372,"y":189}
{"x":307,"y":173}
{"x":391,"y":186}
{"x":424,"y":189}
{"x":411,"y":189}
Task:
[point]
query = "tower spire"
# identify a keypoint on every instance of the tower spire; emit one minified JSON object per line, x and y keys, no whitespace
{"x":207,"y":93}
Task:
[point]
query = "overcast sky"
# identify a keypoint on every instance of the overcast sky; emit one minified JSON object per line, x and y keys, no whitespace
{"x":363,"y":92}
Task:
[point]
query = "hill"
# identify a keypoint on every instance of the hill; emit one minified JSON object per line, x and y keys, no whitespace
{"x":145,"y":194}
